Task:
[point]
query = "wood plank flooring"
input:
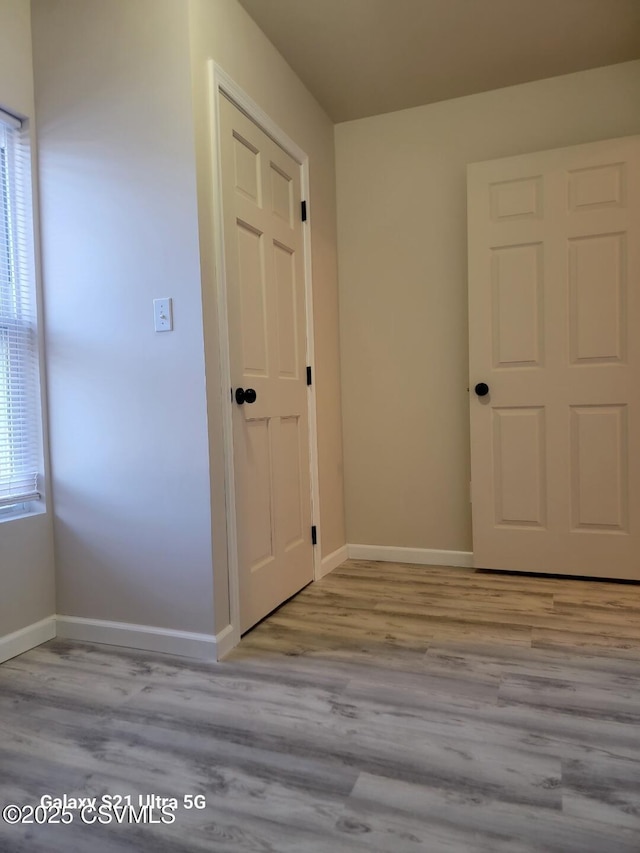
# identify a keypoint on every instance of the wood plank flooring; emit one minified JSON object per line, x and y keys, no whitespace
{"x":387,"y":708}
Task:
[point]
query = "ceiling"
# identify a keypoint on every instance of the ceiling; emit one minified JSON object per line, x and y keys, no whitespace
{"x":365,"y":57}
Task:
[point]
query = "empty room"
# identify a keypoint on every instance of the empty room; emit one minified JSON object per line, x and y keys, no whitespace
{"x":319,"y":426}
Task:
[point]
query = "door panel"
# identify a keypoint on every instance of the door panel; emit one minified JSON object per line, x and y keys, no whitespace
{"x":517,"y":304}
{"x":256,"y":486}
{"x":285,"y":279}
{"x":554,"y":313}
{"x":267,"y":340}
{"x":252,"y":287}
{"x":247,"y":168}
{"x":519,"y":199}
{"x":597,"y":290}
{"x":598,"y":186}
{"x":282,"y":192}
{"x":520,"y":471}
{"x":292,"y":521}
{"x":599,"y":464}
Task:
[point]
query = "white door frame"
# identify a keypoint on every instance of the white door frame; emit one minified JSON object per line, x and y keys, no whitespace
{"x":220,"y":85}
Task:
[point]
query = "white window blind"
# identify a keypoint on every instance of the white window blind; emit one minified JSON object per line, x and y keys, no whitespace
{"x":19,"y":384}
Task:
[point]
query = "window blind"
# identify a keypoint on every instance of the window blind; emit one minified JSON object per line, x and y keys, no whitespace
{"x":19,"y":384}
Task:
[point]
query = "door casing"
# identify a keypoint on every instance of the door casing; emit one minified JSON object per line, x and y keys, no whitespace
{"x":221,"y":85}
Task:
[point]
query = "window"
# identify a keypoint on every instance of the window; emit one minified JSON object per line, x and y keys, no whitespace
{"x":19,"y":385}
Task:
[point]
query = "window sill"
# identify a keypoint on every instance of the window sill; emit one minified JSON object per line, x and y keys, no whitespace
{"x":37,"y":508}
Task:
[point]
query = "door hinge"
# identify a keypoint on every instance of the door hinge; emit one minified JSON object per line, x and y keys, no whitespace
{"x":309,"y":378}
{"x":314,"y":535}
{"x":303,"y":210}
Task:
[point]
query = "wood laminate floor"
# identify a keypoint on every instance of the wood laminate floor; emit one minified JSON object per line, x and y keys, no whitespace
{"x":387,"y":708}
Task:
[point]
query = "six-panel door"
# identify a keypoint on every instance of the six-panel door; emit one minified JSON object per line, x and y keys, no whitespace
{"x":554,"y":330}
{"x":266,"y":311}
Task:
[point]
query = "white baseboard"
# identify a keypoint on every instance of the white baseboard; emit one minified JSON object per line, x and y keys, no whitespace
{"x":419,"y":556}
{"x":27,"y":638}
{"x":332,"y":561}
{"x":166,"y":640}
{"x":226,"y":640}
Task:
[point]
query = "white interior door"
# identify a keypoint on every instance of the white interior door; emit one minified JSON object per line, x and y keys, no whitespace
{"x":266,"y":310}
{"x":554,"y":318}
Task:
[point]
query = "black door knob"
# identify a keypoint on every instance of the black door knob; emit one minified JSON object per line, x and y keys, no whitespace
{"x":481,"y":389}
{"x":247,"y":395}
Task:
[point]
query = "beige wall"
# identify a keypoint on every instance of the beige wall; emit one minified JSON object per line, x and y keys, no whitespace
{"x":403,"y":290}
{"x":129,"y":440}
{"x":26,"y":544}
{"x":221,"y":30}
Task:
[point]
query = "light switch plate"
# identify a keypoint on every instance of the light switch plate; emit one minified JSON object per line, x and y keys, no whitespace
{"x":163,"y":314}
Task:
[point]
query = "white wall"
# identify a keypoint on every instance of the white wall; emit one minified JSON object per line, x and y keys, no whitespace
{"x":221,"y":30}
{"x":129,"y":440}
{"x":26,"y":545}
{"x":403,"y":288}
